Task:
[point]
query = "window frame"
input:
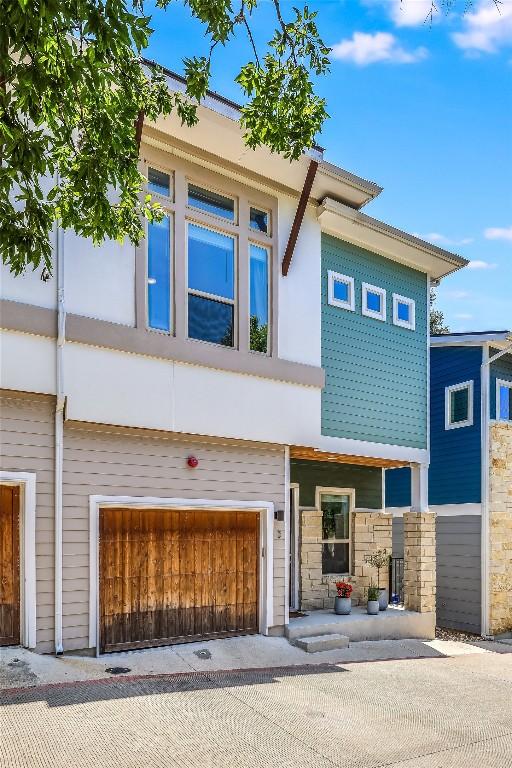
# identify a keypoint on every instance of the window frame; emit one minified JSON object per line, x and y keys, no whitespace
{"x":167,"y":203}
{"x":368,"y":288}
{"x":268,"y":249}
{"x":337,"y":277}
{"x":208,"y":188}
{"x":469,"y":385}
{"x":507,"y":385}
{"x":213,"y":296}
{"x":328,"y":491}
{"x":411,"y":324}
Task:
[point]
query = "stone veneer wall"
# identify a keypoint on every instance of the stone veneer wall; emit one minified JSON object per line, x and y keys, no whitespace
{"x":371,"y":530}
{"x":420,"y":561}
{"x":500,"y":522}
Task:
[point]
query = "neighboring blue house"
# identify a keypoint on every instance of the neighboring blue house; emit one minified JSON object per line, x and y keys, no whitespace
{"x":470,"y":391}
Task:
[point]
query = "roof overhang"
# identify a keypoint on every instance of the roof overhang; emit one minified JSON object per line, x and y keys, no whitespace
{"x":366,"y":232}
{"x":498,"y":339}
{"x":219,"y":134}
{"x":314,"y":454}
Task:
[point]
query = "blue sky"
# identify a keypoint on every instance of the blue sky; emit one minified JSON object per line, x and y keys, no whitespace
{"x":425,"y":110}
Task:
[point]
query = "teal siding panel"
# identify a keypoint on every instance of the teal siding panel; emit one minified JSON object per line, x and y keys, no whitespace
{"x":376,"y":372}
{"x":367,"y":481}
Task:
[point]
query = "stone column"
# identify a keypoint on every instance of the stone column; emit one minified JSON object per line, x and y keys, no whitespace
{"x":500,"y":528}
{"x":420,"y":547}
{"x":372,"y":530}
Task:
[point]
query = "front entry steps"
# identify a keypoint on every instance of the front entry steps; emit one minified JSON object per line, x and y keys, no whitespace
{"x":330,"y":642}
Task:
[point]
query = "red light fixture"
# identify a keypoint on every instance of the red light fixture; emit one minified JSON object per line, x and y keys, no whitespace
{"x":192,"y":462}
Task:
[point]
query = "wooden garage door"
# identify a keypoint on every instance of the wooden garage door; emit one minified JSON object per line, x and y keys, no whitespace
{"x":176,"y":575}
{"x":9,"y":565}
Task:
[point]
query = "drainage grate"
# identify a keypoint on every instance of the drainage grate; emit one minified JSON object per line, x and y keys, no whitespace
{"x":117,"y":670}
{"x":203,"y":654}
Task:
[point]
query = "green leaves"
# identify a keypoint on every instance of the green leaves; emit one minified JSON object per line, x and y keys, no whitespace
{"x":72,"y":85}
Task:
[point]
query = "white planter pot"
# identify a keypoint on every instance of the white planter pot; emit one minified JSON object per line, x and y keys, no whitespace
{"x":372,"y":607}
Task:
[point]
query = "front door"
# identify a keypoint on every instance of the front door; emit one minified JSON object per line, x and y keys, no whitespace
{"x":9,"y":565}
{"x":173,"y":576}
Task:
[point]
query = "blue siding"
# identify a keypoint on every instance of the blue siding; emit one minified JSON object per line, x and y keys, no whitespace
{"x":501,"y":369}
{"x":454,"y":475}
{"x":376,"y":387}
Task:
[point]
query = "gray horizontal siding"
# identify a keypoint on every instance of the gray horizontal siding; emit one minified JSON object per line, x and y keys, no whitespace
{"x":458,"y":555}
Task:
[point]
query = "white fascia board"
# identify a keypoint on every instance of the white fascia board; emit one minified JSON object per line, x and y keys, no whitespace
{"x":498,"y":339}
{"x":348,"y":447}
{"x":442,"y":510}
{"x":355,"y":227}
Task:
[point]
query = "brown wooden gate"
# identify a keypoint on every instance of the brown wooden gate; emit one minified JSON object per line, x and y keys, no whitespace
{"x":9,"y":565}
{"x":171,"y":576}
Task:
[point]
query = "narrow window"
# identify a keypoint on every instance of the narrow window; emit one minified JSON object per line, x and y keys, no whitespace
{"x":340,"y":291}
{"x":459,"y":405}
{"x":259,"y":220}
{"x":159,"y":182}
{"x":404,"y":312}
{"x":504,"y":400}
{"x":211,"y":285}
{"x":373,"y":302}
{"x":335,"y":508}
{"x":159,"y":275}
{"x":259,"y":298}
{"x":211,"y":202}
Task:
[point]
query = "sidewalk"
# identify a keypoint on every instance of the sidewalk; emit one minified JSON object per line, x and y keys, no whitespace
{"x":20,"y":668}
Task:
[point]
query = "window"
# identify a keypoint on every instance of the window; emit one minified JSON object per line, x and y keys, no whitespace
{"x":211,"y":202}
{"x":159,"y":282}
{"x":259,"y":220}
{"x":504,"y":400}
{"x":404,"y":312}
{"x":459,"y":405}
{"x":159,"y":182}
{"x":335,"y":506}
{"x":341,"y":291}
{"x":259,"y":298}
{"x":211,"y":285}
{"x":374,"y":302}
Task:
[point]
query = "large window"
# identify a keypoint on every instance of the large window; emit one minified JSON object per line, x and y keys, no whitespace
{"x":336,"y":508}
{"x":459,"y":405}
{"x":504,"y":400}
{"x":211,"y":285}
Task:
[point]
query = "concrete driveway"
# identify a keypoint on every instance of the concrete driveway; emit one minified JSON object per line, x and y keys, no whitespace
{"x":437,"y":712}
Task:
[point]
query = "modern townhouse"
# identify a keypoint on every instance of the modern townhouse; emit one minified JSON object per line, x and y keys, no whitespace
{"x":195,"y":431}
{"x":470,"y":480}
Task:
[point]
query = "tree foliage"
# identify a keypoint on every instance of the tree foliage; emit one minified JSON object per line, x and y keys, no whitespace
{"x":437,"y":321}
{"x":74,"y":87}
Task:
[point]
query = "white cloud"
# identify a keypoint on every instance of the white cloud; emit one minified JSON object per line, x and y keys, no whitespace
{"x":463,"y":316}
{"x":481,"y":265}
{"x":487,"y":29}
{"x":437,"y":237}
{"x":457,"y":294}
{"x":498,"y":233}
{"x":411,"y":13}
{"x":363,"y":49}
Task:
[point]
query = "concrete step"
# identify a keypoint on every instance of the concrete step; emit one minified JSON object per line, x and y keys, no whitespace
{"x":317,"y":643}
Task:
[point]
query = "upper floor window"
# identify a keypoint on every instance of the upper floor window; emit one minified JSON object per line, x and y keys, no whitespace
{"x":159,"y":275}
{"x":159,"y":182}
{"x":404,"y":312}
{"x":341,"y":291}
{"x":459,"y":405}
{"x":211,"y":202}
{"x":336,"y":508}
{"x":259,"y":220}
{"x":373,"y":302}
{"x":259,"y":298}
{"x":504,"y":400}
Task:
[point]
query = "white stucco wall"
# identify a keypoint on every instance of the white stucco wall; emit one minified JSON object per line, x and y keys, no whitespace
{"x":27,"y":363}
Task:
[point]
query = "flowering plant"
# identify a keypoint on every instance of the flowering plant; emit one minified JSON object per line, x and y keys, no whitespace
{"x":344,"y":588}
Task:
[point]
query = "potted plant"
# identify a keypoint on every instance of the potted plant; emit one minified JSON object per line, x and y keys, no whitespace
{"x":372,"y":606}
{"x":342,"y":601}
{"x":380,"y":559}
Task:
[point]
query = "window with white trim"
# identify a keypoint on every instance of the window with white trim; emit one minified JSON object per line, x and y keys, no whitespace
{"x":159,"y":255}
{"x":373,"y":302}
{"x":459,"y":405}
{"x":340,"y":291}
{"x":336,"y":512}
{"x":404,"y":312}
{"x":503,"y":400}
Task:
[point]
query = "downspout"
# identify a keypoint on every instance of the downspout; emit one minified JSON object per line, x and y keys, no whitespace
{"x":59,"y":435}
{"x":485,"y":408}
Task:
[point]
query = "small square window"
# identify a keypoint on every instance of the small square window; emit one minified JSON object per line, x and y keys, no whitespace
{"x":159,"y":182}
{"x":341,"y":291}
{"x":211,"y":202}
{"x":374,"y":302}
{"x":259,"y":220}
{"x":459,"y":405}
{"x":404,"y":312}
{"x":504,"y":400}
